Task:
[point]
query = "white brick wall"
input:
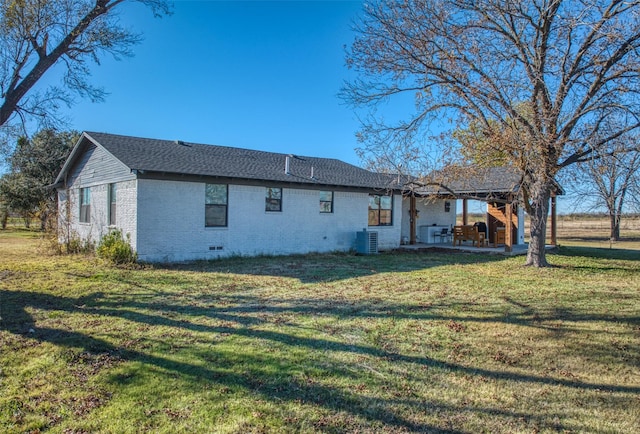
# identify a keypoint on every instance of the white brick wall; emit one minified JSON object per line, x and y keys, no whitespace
{"x":171,"y":223}
{"x":94,"y":230}
{"x":430,"y":211}
{"x":126,"y":206}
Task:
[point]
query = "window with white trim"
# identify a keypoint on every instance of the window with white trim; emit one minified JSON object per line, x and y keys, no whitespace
{"x":85,"y":205}
{"x":111,"y":201}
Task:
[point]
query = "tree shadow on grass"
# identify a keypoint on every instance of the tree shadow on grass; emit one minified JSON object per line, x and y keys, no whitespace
{"x":277,"y":386}
{"x":314,"y":268}
{"x":599,"y":253}
{"x":16,"y":319}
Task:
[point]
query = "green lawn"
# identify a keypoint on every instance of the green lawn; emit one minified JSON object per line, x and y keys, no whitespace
{"x":398,"y":342}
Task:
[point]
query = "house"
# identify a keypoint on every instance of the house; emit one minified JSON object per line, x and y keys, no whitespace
{"x":180,"y":201}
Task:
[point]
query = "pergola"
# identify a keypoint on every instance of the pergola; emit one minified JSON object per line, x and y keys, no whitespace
{"x":499,"y":187}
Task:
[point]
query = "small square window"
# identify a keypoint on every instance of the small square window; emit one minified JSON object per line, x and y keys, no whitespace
{"x":326,"y":201}
{"x":273,"y":199}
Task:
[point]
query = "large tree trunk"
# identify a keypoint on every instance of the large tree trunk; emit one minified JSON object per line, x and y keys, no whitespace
{"x":538,"y":209}
{"x":615,"y":227}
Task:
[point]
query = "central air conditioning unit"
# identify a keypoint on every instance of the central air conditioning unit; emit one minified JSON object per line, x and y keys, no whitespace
{"x":366,"y":242}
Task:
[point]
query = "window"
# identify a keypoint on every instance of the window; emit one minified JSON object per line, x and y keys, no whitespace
{"x":215,"y":208}
{"x":380,"y":210}
{"x":85,"y":205}
{"x":326,"y":201}
{"x":273,"y":199}
{"x":111,"y":200}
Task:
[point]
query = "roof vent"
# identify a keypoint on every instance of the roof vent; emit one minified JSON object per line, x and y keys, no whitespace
{"x":287,"y":164}
{"x":181,"y":143}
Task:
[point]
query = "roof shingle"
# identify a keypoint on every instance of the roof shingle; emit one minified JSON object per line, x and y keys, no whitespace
{"x":175,"y":157}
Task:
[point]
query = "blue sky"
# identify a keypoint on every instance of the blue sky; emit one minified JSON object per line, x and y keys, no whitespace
{"x":261,"y":75}
{"x":252,"y":74}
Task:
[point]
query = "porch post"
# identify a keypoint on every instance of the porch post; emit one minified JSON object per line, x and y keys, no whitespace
{"x":465,"y":217}
{"x":508,"y":230}
{"x":554,"y":239}
{"x":412,"y":219}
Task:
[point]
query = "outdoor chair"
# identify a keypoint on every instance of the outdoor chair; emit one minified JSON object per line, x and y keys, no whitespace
{"x":468,"y":233}
{"x":444,"y":235}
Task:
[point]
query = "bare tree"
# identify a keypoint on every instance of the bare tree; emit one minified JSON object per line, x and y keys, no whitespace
{"x":35,"y":35}
{"x":572,"y":64}
{"x":611,"y":179}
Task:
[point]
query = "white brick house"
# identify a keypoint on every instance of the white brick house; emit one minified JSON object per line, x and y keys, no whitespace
{"x":181,"y":201}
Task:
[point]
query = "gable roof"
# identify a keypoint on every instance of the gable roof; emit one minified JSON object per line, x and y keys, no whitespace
{"x":142,"y":155}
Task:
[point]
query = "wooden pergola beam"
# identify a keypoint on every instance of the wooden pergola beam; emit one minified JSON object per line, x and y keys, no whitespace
{"x":508,"y":230}
{"x":465,"y":212}
{"x":412,"y":219}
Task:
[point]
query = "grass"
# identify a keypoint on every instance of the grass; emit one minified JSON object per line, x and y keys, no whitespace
{"x":399,"y":342}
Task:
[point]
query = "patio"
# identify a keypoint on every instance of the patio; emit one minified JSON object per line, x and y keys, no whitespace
{"x":502,"y":230}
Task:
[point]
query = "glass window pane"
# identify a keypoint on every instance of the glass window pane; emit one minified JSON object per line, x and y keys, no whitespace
{"x":326,"y":196}
{"x":373,"y":217}
{"x":85,"y":198}
{"x":274,"y":193}
{"x":374,"y":202}
{"x":325,"y":207}
{"x":273,"y":204}
{"x":385,"y":217}
{"x":273,"y":199}
{"x":385,"y":202}
{"x":215,"y":215}
{"x":216,"y":194}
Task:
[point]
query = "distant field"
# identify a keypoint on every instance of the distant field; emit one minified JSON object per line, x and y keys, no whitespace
{"x":593,"y":231}
{"x":588,"y":231}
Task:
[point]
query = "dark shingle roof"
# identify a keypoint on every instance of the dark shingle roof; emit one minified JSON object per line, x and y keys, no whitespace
{"x":174,"y":157}
{"x":469,"y":181}
{"x":473,"y":180}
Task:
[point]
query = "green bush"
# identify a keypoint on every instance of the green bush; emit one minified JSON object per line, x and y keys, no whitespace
{"x":116,"y":249}
{"x":77,"y":245}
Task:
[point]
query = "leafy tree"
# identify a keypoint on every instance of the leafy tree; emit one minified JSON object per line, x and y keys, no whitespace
{"x":4,"y":210}
{"x":35,"y":164}
{"x":573,"y":66}
{"x":17,"y":196}
{"x":35,"y":35}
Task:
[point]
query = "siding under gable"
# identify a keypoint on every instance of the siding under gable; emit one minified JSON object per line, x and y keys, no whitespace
{"x":96,"y":166}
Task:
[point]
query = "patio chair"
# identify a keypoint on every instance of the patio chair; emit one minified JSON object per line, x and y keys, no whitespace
{"x":444,"y":235}
{"x":458,"y":235}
